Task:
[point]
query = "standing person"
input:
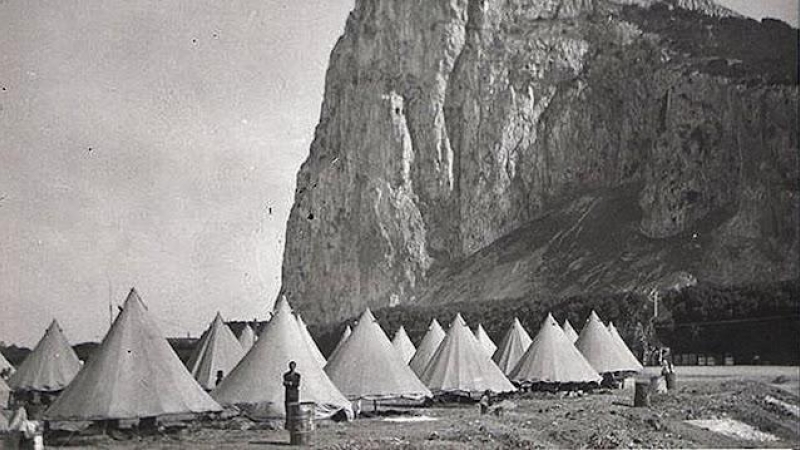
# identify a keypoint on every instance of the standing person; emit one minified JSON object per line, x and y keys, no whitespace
{"x":291,"y":381}
{"x":486,"y":402}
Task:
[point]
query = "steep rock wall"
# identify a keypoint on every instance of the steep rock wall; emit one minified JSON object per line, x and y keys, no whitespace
{"x":447,"y":125}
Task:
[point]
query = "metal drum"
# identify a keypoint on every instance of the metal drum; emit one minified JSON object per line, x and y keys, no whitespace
{"x":301,"y":422}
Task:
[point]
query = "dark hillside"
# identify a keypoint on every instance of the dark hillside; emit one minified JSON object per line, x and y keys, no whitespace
{"x":734,"y":47}
{"x":765,"y":316}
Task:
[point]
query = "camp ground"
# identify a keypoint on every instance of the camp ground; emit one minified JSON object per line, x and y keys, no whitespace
{"x":399,"y":224}
{"x":551,"y":378}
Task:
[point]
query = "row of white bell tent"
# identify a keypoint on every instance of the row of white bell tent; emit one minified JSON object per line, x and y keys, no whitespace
{"x":457,"y":361}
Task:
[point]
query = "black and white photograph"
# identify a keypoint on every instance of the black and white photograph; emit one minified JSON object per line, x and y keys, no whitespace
{"x":399,"y":224}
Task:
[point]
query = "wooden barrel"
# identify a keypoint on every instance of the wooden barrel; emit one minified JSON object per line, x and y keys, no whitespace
{"x":301,"y":422}
{"x":641,"y":397}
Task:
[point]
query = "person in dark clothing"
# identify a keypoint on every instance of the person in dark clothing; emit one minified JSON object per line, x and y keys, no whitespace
{"x":220,"y":376}
{"x":291,"y":382}
{"x":486,"y":402}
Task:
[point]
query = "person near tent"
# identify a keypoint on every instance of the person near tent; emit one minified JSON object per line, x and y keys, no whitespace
{"x":666,"y":367}
{"x":220,"y":375}
{"x":291,"y":382}
{"x":23,"y":432}
{"x":485,"y":402}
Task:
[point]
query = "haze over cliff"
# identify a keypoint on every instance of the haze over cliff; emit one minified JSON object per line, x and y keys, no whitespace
{"x":488,"y":149}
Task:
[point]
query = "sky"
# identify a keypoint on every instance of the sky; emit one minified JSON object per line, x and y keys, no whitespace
{"x":155,"y":143}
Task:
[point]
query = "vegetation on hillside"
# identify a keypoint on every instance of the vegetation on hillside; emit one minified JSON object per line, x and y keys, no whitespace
{"x":702,"y":307}
{"x":743,"y":49}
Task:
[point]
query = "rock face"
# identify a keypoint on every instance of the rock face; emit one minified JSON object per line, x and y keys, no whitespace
{"x":464,"y":134}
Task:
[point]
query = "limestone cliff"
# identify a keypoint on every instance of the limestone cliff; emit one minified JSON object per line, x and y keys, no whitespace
{"x":481,"y":149}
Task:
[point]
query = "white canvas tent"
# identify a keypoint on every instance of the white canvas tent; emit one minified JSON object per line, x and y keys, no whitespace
{"x":217,"y":351}
{"x":5,"y":391}
{"x":599,"y":348}
{"x":369,"y":367}
{"x":570,"y":332}
{"x":403,"y":344}
{"x":133,"y":374}
{"x":345,"y":334}
{"x":514,"y":344}
{"x":623,"y":348}
{"x":5,"y":365}
{"x":247,"y":338}
{"x":485,"y":341}
{"x":51,"y":365}
{"x":312,"y":346}
{"x":552,"y":358}
{"x":461,"y":365}
{"x":257,"y":381}
{"x":430,"y":342}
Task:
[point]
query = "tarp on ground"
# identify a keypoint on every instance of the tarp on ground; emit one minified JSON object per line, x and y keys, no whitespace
{"x":430,"y":342}
{"x":403,"y":344}
{"x":345,"y":334}
{"x":51,"y":365}
{"x":460,"y":365}
{"x":312,"y":346}
{"x":258,"y":378}
{"x":133,"y":374}
{"x":515,"y":343}
{"x":552,"y":358}
{"x":569,"y":331}
{"x":247,"y":338}
{"x":486,"y":342}
{"x":369,"y":367}
{"x":599,"y":348}
{"x":217,"y":350}
{"x":623,"y":347}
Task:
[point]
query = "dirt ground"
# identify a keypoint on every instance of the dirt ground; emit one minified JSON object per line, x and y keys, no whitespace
{"x":604,"y":419}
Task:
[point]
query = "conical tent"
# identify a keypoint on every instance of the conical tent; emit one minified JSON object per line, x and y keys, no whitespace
{"x":403,"y":345}
{"x":485,"y":340}
{"x":133,"y":374}
{"x":312,"y":346}
{"x":570,"y":332}
{"x":218,"y":350}
{"x":623,"y":348}
{"x":50,"y":367}
{"x":258,"y":378}
{"x":5,"y":365}
{"x":514,"y":344}
{"x":369,"y":367}
{"x":345,"y":334}
{"x":599,"y":348}
{"x":430,"y":342}
{"x":3,"y":421}
{"x":461,"y":365}
{"x":247,"y":338}
{"x":4,"y":393}
{"x":552,"y":358}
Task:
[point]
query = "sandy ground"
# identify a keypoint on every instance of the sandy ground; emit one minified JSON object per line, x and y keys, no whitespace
{"x":763,"y":374}
{"x":600,"y":420}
